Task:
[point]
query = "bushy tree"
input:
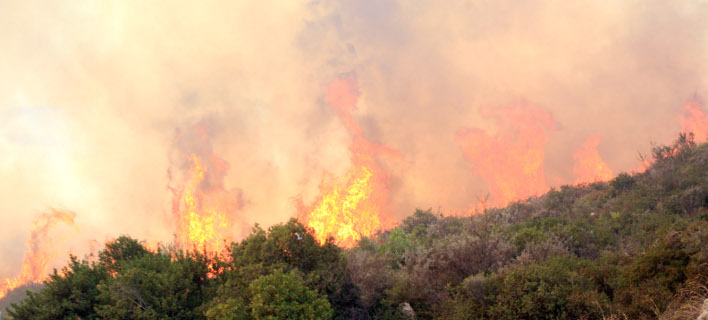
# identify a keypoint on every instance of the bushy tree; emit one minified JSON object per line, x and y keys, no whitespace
{"x":121,"y":250}
{"x":157,"y":286}
{"x":291,"y":246}
{"x":418,"y":223}
{"x":285,"y":296}
{"x":69,"y":294}
{"x":230,"y":309}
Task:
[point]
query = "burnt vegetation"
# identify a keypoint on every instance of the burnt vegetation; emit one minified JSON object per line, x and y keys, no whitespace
{"x":635,"y":247}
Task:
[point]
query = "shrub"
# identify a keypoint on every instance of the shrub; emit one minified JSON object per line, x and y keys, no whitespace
{"x":281,"y":295}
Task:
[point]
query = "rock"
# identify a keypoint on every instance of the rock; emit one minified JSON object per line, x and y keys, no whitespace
{"x":407,"y":310}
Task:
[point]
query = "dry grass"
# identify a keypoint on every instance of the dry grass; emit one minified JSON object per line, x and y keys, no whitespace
{"x":691,"y":301}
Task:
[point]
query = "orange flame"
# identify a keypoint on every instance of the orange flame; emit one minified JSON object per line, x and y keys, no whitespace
{"x":357,"y":204}
{"x":695,"y":120}
{"x":588,"y":164}
{"x":511,"y":160}
{"x":40,"y":253}
{"x":152,"y":245}
{"x":204,"y":210}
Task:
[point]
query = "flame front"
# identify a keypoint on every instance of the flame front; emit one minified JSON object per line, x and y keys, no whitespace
{"x":355,"y":205}
{"x":511,"y":160}
{"x":203,"y":209}
{"x":200,"y":225}
{"x":41,"y":252}
{"x":588,"y":164}
{"x":695,"y":120}
{"x":343,"y":211}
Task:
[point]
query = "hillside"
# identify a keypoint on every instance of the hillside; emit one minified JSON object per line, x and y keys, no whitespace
{"x":630,"y":248}
{"x":17,"y":295}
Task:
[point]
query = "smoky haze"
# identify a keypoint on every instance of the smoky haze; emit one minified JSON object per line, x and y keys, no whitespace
{"x":92,"y":93}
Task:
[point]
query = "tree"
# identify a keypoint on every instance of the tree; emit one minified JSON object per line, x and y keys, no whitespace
{"x":157,"y":286}
{"x":121,"y":250}
{"x":285,"y":296}
{"x":419,"y":222}
{"x":231,"y":309}
{"x":291,"y":246}
{"x":71,"y":294}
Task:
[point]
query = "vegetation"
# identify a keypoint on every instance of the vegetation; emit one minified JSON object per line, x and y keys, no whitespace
{"x":631,"y":248}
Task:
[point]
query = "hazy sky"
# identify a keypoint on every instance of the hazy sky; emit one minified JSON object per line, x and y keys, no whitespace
{"x":92,"y":94}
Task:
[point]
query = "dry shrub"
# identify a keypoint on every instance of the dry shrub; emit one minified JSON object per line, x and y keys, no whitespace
{"x":370,"y":272}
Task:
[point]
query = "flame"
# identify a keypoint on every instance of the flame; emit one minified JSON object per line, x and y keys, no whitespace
{"x":152,"y":245}
{"x":588,"y":165}
{"x":41,"y":252}
{"x":695,"y":120}
{"x":203,"y":209}
{"x":511,"y":160}
{"x":343,"y":212}
{"x":355,"y":205}
{"x":201,"y":228}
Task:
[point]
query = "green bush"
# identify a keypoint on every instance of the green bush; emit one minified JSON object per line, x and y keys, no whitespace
{"x":285,"y":296}
{"x":558,"y":288}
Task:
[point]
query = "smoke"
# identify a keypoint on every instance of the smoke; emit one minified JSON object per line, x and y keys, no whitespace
{"x":92,"y":92}
{"x":510,"y":161}
{"x":621,"y":70}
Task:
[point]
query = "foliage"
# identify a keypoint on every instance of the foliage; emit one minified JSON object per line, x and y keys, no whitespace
{"x":290,"y":247}
{"x":17,"y":295}
{"x":285,"y":296}
{"x":156,"y":286}
{"x":633,"y":247}
{"x":230,"y":309}
{"x":71,"y":294}
{"x":557,"y":288}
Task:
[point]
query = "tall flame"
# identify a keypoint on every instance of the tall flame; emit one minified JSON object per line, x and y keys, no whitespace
{"x":588,"y":164}
{"x":695,"y":120}
{"x":355,"y":205}
{"x":205,"y":212}
{"x":510,"y":160}
{"x":41,"y":251}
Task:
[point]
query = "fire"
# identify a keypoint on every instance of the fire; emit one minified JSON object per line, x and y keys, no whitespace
{"x":355,"y":205}
{"x":203,"y":209}
{"x":200,"y":227}
{"x":152,"y":245}
{"x":344,"y":212}
{"x":41,"y":252}
{"x":695,"y":120}
{"x":588,"y":165}
{"x":510,"y":160}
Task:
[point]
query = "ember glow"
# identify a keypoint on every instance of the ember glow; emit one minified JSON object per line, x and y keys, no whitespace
{"x":588,"y":165}
{"x":355,"y":205}
{"x":41,"y":249}
{"x":205,"y":212}
{"x":511,"y":159}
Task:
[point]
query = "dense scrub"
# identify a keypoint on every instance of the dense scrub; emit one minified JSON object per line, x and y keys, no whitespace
{"x":635,"y":247}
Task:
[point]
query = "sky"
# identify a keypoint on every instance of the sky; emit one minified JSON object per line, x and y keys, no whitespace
{"x":94,"y":96}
